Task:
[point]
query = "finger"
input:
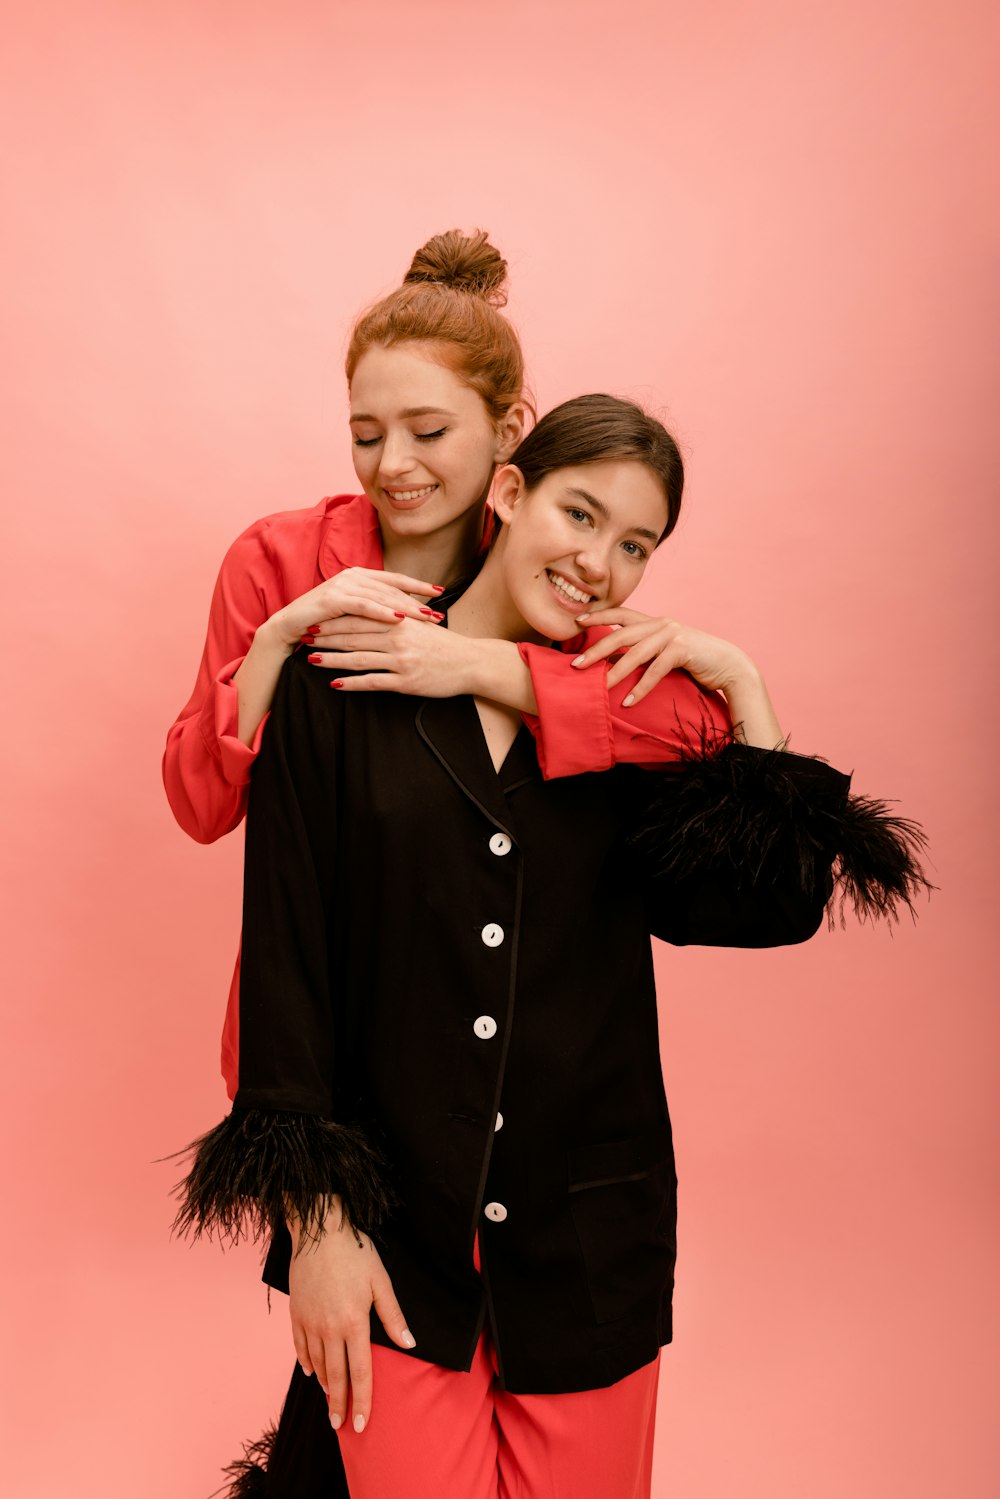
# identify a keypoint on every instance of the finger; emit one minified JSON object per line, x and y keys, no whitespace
{"x":390,"y":1314}
{"x":348,"y":625}
{"x":632,"y":660}
{"x":302,"y":1348}
{"x":381,"y":681}
{"x":611,"y":645}
{"x":317,"y":1357}
{"x":358,"y":640}
{"x":640,"y":653}
{"x":353,"y":660}
{"x":612,"y":617}
{"x":651,"y":677}
{"x":359,"y":1359}
{"x":406,"y":584}
{"x":336,"y":1368}
{"x":388,"y":609}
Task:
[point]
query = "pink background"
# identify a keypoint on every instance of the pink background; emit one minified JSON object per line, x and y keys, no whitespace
{"x":778,"y":222}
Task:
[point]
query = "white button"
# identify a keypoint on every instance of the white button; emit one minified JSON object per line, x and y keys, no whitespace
{"x":493,"y":934}
{"x":485,"y":1027}
{"x":496,"y":1211}
{"x":499,"y":1123}
{"x":500,"y":844}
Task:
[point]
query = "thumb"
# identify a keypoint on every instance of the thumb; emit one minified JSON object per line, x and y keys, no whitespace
{"x":390,"y":1314}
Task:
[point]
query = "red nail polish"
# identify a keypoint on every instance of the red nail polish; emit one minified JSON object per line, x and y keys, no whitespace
{"x":399,"y":614}
{"x":309,"y":640}
{"x":432,"y":612}
{"x":336,"y":684}
{"x":439,"y":588}
{"x":315,"y":629}
{"x":317,"y":658}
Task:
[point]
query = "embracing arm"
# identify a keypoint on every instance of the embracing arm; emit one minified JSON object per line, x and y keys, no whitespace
{"x":206,"y":765}
{"x":253,"y":628}
{"x":582,"y":720}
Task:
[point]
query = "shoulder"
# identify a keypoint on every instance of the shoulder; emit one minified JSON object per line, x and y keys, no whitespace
{"x":286,"y":531}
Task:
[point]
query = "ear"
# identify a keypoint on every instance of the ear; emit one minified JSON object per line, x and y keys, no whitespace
{"x":508,"y":492}
{"x":510,"y":430}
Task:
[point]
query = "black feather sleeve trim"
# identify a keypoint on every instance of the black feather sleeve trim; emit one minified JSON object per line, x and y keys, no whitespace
{"x":248,"y":1474}
{"x":259,"y":1166}
{"x":761,"y":811}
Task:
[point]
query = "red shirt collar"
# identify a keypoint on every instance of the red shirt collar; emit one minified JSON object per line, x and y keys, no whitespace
{"x":353,"y":539}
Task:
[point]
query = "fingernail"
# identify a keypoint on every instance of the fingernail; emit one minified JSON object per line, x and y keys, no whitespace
{"x":359,"y":1423}
{"x":316,"y":658}
{"x":409,"y":1341}
{"x":433,"y":613}
{"x":336,"y":684}
{"x":582,"y":617}
{"x":336,"y":1420}
{"x":439,"y":588}
{"x":399,"y":614}
{"x":309,"y":640}
{"x":577,"y":660}
{"x":314,"y":629}
{"x":628,"y":701}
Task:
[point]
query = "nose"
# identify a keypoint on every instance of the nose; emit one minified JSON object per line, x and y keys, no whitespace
{"x":397,"y":456}
{"x":592,"y":561}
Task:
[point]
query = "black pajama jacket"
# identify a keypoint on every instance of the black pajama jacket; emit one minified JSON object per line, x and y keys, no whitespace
{"x":448,"y":1013}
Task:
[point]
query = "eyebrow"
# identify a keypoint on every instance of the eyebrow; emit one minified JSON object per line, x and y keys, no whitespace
{"x":599,"y":505}
{"x":411,"y":411}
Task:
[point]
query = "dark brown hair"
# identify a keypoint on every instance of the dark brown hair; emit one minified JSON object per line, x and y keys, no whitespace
{"x":450,"y":297}
{"x":595,"y":428}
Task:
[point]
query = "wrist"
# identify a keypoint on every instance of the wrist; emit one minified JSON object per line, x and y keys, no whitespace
{"x":271,"y":638}
{"x":743,"y":676}
{"x":481,"y":665}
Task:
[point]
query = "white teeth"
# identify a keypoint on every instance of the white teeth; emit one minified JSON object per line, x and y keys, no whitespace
{"x":411,"y":494}
{"x":569,"y":590}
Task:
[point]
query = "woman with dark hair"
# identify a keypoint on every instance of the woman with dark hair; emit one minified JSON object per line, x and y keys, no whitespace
{"x":449,"y":1087}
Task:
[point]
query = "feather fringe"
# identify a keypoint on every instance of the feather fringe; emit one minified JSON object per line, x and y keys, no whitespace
{"x":728,"y":804}
{"x":248,"y":1474}
{"x":258,"y":1167}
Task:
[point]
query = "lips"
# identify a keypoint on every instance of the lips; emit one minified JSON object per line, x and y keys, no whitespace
{"x":570,"y":597}
{"x":408,"y":499}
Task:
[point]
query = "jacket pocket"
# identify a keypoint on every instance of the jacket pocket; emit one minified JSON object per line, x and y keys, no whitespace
{"x":623,"y":1199}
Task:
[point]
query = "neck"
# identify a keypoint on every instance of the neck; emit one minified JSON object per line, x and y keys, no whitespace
{"x":443,"y":557}
{"x":486,"y":610}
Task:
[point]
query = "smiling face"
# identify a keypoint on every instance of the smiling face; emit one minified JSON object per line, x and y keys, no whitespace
{"x":424,"y":446}
{"x":579,"y":540}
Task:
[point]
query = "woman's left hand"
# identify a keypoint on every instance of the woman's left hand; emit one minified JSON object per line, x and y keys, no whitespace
{"x":668,"y":646}
{"x":409,"y":656}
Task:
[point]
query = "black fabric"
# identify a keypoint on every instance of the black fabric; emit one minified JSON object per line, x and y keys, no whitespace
{"x":299,"y":1458}
{"x":362,"y":1011}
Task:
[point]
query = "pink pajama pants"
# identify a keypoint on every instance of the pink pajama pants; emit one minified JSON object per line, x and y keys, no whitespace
{"x":438,"y":1434}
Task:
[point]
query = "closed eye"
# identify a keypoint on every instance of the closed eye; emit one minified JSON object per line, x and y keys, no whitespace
{"x":430,"y":436}
{"x":366,"y":442}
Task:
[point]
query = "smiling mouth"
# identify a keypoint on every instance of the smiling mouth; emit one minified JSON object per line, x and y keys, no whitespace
{"x":408,"y":496}
{"x":568,"y":591}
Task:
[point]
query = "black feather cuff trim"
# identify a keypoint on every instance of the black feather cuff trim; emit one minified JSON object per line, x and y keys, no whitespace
{"x":248,"y":1474}
{"x":258,"y":1167}
{"x":768,"y":812}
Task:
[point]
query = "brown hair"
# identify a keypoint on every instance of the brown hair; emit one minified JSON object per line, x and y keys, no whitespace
{"x":593,"y":429}
{"x":451,"y":297}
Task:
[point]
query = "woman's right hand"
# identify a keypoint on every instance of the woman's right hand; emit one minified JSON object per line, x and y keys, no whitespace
{"x":333,"y":1283}
{"x":386,"y":597}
